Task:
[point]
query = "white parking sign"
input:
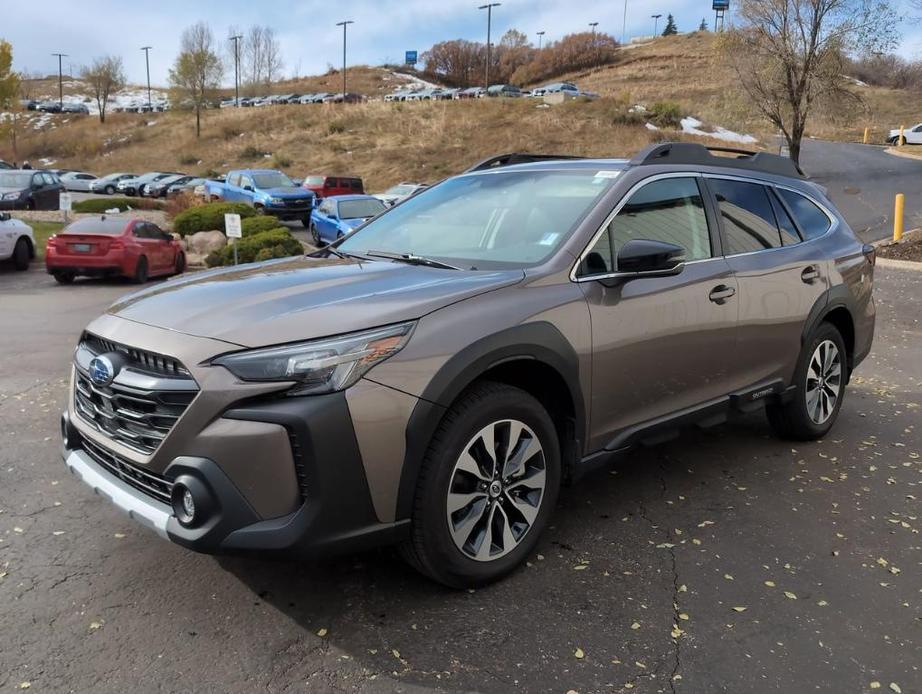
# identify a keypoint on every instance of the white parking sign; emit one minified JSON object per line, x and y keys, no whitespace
{"x":65,"y":202}
{"x":232,"y":226}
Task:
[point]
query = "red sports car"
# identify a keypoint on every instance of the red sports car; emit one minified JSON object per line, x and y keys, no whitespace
{"x":112,"y":246}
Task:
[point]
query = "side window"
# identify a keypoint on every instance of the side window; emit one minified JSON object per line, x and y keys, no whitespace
{"x":37,"y":180}
{"x":748,"y":219}
{"x":246,"y":181}
{"x":789,"y":233}
{"x":812,"y":221}
{"x":139,"y":230}
{"x":669,"y":210}
{"x":357,"y":185}
{"x":50,"y":179}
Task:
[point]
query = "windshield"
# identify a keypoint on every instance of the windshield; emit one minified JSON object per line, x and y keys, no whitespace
{"x":15,"y":180}
{"x":313,"y":181}
{"x":272,"y":180}
{"x":359,"y":209}
{"x":495,"y":220}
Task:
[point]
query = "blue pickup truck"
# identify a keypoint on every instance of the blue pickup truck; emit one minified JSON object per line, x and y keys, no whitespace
{"x":268,"y":190}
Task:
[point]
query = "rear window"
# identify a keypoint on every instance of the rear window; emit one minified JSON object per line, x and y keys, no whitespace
{"x":313,"y":181}
{"x":91,"y":225}
{"x":15,"y":180}
{"x":812,"y":221}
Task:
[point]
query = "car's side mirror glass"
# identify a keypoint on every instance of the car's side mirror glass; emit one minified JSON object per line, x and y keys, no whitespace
{"x":249,"y":188}
{"x":647,"y":258}
{"x":4,"y":216}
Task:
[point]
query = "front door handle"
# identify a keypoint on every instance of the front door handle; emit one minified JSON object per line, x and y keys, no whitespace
{"x":810,"y":274}
{"x":721,"y":293}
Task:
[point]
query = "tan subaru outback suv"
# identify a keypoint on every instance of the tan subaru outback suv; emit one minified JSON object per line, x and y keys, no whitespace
{"x":434,"y":377}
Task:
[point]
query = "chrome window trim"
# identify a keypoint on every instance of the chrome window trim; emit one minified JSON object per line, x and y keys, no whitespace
{"x":574,"y":277}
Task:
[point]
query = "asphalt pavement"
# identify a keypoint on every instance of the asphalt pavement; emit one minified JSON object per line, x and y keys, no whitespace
{"x":862,"y":182}
{"x":724,"y":561}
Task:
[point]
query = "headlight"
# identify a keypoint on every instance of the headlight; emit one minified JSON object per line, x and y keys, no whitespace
{"x":11,"y":196}
{"x":320,"y":366}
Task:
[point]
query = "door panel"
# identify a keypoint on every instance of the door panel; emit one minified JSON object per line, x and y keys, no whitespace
{"x":661,"y":345}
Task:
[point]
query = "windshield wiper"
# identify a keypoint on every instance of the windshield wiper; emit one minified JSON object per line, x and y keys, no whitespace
{"x":412,"y":259}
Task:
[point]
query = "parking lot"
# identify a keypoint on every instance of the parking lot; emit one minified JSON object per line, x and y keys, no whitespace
{"x":726,"y":560}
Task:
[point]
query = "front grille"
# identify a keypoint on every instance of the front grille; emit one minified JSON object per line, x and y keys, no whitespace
{"x":297,"y":203}
{"x":139,"y":408}
{"x":149,"y":362}
{"x":153,"y":485}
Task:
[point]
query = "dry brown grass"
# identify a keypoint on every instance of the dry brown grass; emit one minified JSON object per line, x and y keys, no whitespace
{"x":388,"y":142}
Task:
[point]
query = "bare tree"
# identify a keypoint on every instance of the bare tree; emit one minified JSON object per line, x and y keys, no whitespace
{"x":789,"y":55}
{"x":105,"y":76}
{"x":262,"y":57}
{"x":198,"y":69}
{"x":9,"y":92}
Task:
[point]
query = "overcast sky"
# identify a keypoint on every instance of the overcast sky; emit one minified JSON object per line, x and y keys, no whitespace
{"x":383,"y":29}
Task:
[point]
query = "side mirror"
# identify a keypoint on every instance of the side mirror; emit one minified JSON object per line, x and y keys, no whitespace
{"x":248,"y":188}
{"x":4,"y":216}
{"x":650,"y":258}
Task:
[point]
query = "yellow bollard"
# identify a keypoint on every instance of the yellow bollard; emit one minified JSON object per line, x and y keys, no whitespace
{"x":898,"y":216}
{"x":867,"y":135}
{"x":902,"y":140}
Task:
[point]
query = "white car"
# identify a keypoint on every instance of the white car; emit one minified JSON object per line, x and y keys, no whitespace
{"x":16,"y":241}
{"x":77,"y":181}
{"x":912,"y":136}
{"x":399,"y":192}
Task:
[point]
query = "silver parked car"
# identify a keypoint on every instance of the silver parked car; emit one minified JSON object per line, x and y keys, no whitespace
{"x":77,"y":181}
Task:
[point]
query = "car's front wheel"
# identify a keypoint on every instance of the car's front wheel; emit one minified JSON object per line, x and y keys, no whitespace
{"x":315,"y":234}
{"x":486,"y":488}
{"x":820,"y":377}
{"x":110,"y":190}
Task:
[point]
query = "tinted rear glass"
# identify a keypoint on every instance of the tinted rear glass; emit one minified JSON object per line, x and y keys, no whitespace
{"x":15,"y":180}
{"x":748,"y":220}
{"x":357,"y":209}
{"x":91,"y":225}
{"x":812,"y":220}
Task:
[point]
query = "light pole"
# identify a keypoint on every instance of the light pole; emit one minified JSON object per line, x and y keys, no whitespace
{"x":489,"y":8}
{"x":540,"y":37}
{"x":593,"y":25}
{"x":344,"y":25}
{"x":146,"y":50}
{"x":60,"y":79}
{"x":624,"y":23}
{"x":236,"y":39}
{"x":655,"y":22}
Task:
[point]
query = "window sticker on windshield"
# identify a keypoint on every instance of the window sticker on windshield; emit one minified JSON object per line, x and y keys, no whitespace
{"x":607,"y":174}
{"x":548,"y":239}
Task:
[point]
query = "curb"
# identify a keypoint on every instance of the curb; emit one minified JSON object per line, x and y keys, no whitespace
{"x":897,"y":152}
{"x":899,"y":264}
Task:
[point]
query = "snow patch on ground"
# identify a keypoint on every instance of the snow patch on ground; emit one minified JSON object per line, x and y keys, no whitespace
{"x":415,"y":82}
{"x":692,"y":126}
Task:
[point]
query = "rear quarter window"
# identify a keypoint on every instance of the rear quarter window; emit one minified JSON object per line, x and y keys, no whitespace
{"x":812,"y":221}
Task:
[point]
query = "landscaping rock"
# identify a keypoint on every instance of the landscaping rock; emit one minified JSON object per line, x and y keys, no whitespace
{"x":204,"y":242}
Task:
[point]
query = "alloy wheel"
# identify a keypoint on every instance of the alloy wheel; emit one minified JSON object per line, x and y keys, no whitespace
{"x":824,"y":381}
{"x":496,"y":490}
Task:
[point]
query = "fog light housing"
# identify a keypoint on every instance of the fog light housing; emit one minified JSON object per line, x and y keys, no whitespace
{"x":192,"y":501}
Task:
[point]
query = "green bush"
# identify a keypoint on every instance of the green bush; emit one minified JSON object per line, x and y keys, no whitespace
{"x":209,"y":217}
{"x":666,"y":114}
{"x":99,"y":205}
{"x":259,"y":223}
{"x":275,"y":243}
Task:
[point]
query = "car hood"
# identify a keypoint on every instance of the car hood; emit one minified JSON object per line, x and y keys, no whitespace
{"x":287,"y":192}
{"x":4,"y":189}
{"x":302,"y":298}
{"x":353,"y":223}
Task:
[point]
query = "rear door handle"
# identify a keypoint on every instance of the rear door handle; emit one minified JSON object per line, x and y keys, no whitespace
{"x":721,"y":293}
{"x":810,"y":274}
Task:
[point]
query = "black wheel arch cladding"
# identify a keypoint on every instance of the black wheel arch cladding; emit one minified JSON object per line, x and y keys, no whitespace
{"x":539,"y":341}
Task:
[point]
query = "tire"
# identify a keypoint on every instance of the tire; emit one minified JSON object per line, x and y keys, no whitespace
{"x":21,"y":255}
{"x":31,"y":205}
{"x":64,"y":277}
{"x":315,"y":235}
{"x":306,"y":222}
{"x":260,"y":209}
{"x":813,"y":409}
{"x":450,"y":546}
{"x":180,"y":266}
{"x":110,"y":190}
{"x":140,"y":271}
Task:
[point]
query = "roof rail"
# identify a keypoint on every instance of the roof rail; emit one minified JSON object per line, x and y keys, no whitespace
{"x":513,"y":158}
{"x":699,"y":155}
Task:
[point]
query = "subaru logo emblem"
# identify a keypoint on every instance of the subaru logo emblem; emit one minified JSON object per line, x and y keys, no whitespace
{"x":102,"y":371}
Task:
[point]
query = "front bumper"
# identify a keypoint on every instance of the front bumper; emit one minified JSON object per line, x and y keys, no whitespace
{"x":335,"y":512}
{"x":288,"y":212}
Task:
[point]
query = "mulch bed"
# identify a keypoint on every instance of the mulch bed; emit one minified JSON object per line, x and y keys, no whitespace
{"x":908,"y":249}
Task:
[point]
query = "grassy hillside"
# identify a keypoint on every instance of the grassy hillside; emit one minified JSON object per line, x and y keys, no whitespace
{"x":388,"y":142}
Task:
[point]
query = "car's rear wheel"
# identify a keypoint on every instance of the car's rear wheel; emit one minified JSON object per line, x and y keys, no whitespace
{"x":820,"y":377}
{"x":140,"y":271}
{"x":180,"y":266}
{"x":64,"y":277}
{"x":487,"y":487}
{"x":21,"y":255}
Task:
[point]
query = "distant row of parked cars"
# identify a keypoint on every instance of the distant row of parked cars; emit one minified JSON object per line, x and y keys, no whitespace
{"x":55,"y":106}
{"x":496,"y":90}
{"x":279,"y":99}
